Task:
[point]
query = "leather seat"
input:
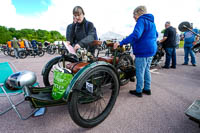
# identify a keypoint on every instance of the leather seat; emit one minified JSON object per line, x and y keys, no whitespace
{"x":108,"y":59}
{"x":75,"y":67}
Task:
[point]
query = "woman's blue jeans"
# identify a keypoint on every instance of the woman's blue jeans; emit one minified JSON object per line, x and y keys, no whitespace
{"x":187,"y":51}
{"x":143,"y":74}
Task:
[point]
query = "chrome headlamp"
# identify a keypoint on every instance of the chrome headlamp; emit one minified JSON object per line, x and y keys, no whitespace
{"x":19,"y":79}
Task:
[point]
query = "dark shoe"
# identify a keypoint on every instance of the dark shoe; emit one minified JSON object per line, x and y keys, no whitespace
{"x":165,"y":67}
{"x":194,"y":65}
{"x":173,"y":67}
{"x":147,"y":92}
{"x":133,"y":92}
{"x":184,"y":64}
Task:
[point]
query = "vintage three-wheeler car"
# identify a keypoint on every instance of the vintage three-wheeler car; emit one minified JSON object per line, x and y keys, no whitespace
{"x":94,"y":82}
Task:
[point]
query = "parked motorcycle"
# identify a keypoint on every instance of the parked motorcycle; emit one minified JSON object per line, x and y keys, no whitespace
{"x":31,"y":52}
{"x":158,"y":56}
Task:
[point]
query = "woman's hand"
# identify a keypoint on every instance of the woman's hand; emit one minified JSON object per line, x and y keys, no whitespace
{"x":77,"y":46}
{"x":68,"y":43}
{"x":116,"y":45}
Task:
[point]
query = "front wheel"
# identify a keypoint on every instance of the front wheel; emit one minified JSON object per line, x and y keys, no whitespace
{"x":94,"y":97}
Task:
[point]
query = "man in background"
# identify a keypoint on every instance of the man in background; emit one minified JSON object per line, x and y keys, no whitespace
{"x":169,"y":45}
{"x":189,"y":41}
{"x":16,"y":47}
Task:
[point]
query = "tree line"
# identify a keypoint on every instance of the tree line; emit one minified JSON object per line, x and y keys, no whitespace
{"x":29,"y":34}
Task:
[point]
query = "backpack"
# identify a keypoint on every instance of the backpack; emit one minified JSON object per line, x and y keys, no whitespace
{"x":86,"y":28}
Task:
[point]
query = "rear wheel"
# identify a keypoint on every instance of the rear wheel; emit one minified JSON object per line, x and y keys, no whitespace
{"x":22,"y":54}
{"x":196,"y":48}
{"x":125,"y":61}
{"x":51,"y":49}
{"x":94,"y":97}
{"x":156,"y":58}
{"x":5,"y":52}
{"x":40,"y":53}
{"x":12,"y":53}
{"x":48,"y":72}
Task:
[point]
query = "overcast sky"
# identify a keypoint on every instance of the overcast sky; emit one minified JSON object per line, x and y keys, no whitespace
{"x":107,"y":15}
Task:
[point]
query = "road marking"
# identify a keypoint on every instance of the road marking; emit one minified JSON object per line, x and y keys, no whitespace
{"x":154,"y":71}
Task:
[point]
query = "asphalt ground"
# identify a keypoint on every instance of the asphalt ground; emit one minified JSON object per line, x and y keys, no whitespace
{"x":173,"y":91}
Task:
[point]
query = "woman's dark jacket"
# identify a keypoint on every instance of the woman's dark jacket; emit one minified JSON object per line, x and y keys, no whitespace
{"x":82,"y":36}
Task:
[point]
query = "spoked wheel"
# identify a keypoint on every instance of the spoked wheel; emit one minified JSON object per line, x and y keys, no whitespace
{"x":40,"y":53}
{"x":94,"y":97}
{"x":22,"y":54}
{"x":125,"y":61}
{"x":12,"y":53}
{"x":63,"y":51}
{"x":5,"y":52}
{"x":48,"y":72}
{"x":50,"y":50}
{"x":196,"y":48}
{"x":156,"y":58}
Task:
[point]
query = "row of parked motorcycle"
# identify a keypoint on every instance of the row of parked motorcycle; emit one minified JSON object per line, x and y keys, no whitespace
{"x":40,"y":51}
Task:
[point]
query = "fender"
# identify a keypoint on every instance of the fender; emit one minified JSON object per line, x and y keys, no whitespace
{"x":82,"y":72}
{"x":56,"y":59}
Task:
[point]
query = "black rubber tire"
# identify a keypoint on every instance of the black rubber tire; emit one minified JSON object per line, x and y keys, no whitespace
{"x":50,"y":50}
{"x":5,"y":52}
{"x":47,"y":71}
{"x":74,"y":100}
{"x":63,"y":51}
{"x":40,"y":53}
{"x":128,"y":58}
{"x":12,"y":53}
{"x":156,"y":59}
{"x":22,"y":54}
{"x":196,"y":48}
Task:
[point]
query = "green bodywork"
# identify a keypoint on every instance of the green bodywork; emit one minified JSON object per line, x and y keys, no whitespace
{"x":80,"y":74}
{"x":42,"y":96}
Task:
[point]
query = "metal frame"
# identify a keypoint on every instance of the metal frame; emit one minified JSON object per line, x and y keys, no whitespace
{"x":14,"y":106}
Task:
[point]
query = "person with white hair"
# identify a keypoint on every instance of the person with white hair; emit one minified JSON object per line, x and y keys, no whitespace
{"x":144,"y":46}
